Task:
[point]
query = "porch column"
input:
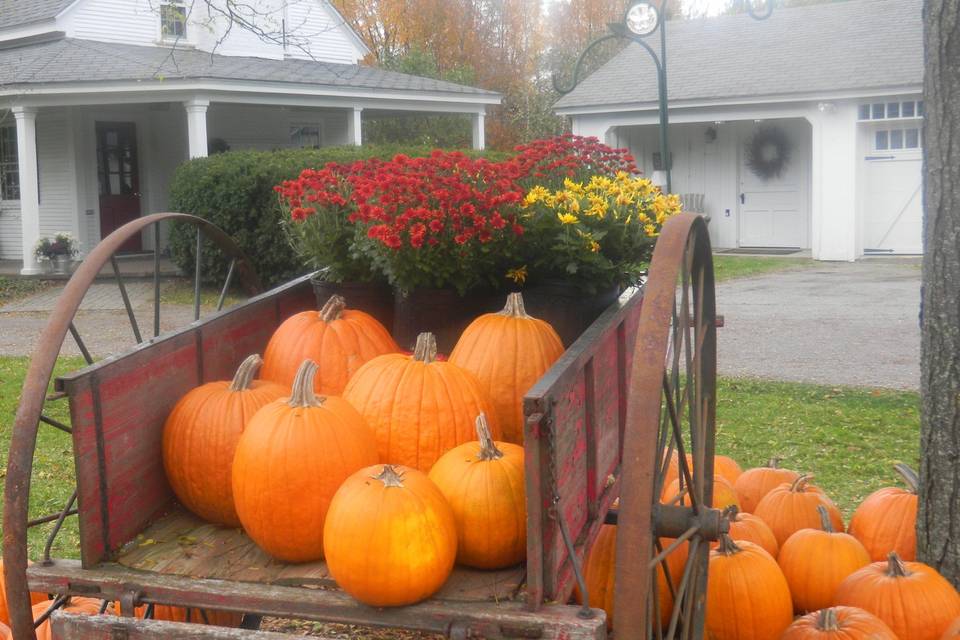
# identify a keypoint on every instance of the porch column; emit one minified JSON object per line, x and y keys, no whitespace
{"x":26,"y":118}
{"x":355,"y":126}
{"x":197,"y":126}
{"x":478,"y":130}
{"x":833,"y":183}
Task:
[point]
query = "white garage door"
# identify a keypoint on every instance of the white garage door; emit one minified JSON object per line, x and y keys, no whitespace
{"x":893,"y":199}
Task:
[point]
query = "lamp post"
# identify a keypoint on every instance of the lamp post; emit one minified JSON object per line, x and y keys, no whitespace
{"x":642,"y":19}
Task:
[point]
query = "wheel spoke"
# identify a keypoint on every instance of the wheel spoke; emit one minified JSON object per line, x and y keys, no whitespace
{"x":58,"y":525}
{"x":58,"y":602}
{"x":673,"y":546}
{"x":196,"y":278}
{"x":56,"y":424}
{"x":678,"y":603}
{"x":678,"y":438}
{"x":156,"y":279}
{"x":80,"y":344}
{"x":226,"y":284}
{"x":126,"y":300}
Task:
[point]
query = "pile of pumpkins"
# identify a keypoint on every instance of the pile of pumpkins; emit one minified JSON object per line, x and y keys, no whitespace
{"x":389,"y":466}
{"x":788,"y":554}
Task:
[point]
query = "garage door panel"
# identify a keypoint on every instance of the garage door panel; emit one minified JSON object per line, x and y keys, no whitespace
{"x":893,"y":207}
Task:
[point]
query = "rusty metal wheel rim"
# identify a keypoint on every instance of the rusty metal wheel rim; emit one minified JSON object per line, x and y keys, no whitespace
{"x":30,"y":412}
{"x":671,"y":406}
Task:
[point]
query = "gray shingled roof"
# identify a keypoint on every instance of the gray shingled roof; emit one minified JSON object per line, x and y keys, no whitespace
{"x":17,"y":12}
{"x":853,"y":45}
{"x":72,"y":60}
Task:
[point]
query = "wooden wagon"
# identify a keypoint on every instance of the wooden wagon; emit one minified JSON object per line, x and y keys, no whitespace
{"x":637,"y":388}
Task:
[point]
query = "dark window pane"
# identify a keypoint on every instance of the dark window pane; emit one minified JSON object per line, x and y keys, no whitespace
{"x":920,"y":107}
{"x":878,"y":111}
{"x":173,"y":21}
{"x":864,"y":112}
{"x":907,"y":109}
{"x":893,"y":109}
{"x":911,"y":139}
{"x":9,"y":167}
{"x":881,"y":141}
{"x":896,"y":139}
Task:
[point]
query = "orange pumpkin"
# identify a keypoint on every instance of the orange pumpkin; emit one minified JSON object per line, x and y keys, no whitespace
{"x":419,"y":407}
{"x":791,"y":507}
{"x":748,"y":527}
{"x":913,"y":599}
{"x":85,"y":606}
{"x":4,"y":610}
{"x":754,"y":484}
{"x":953,"y":631}
{"x":483,"y":483}
{"x":815,"y":562}
{"x":747,"y":595}
{"x":887,"y":520}
{"x":197,"y":616}
{"x":338,"y":339}
{"x":838,"y":623}
{"x":5,"y":632}
{"x":723,"y":466}
{"x":390,"y":536}
{"x":508,"y":352}
{"x":724,"y":494}
{"x":291,"y":458}
{"x":200,"y":438}
{"x":599,"y":569}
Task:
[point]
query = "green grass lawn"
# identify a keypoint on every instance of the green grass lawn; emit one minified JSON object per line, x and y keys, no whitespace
{"x":180,"y":291}
{"x":848,"y":438}
{"x":731,"y":267}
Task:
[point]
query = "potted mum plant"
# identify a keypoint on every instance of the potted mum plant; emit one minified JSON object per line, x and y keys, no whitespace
{"x":585,"y":242}
{"x":317,"y":207}
{"x":58,"y":250}
{"x":442,"y":229}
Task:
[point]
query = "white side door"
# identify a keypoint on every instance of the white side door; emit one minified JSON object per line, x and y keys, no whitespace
{"x":773,"y":211}
{"x":892,"y":195}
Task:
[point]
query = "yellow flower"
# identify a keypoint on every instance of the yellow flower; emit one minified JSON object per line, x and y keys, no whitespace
{"x":573,"y":187}
{"x":567,"y":218}
{"x":518,"y":275}
{"x":594,"y":246}
{"x":573,"y":204}
{"x":535,"y":195}
{"x":651,"y":230}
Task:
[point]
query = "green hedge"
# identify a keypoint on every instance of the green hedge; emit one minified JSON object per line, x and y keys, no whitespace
{"x":234,"y":190}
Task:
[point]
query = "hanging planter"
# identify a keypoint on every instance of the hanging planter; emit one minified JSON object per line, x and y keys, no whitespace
{"x":768,"y":152}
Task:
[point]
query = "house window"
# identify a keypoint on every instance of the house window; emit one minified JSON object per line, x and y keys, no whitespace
{"x":897,"y":139}
{"x":173,"y":20}
{"x":890,"y":110}
{"x":306,"y":136}
{"x":9,"y":169}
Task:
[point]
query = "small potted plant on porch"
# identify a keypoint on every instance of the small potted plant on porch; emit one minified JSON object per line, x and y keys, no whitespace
{"x":58,"y":250}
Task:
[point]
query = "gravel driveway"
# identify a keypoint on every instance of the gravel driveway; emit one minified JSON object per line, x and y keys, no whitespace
{"x":836,"y":323}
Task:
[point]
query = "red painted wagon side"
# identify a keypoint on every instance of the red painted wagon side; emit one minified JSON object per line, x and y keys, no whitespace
{"x":588,"y":434}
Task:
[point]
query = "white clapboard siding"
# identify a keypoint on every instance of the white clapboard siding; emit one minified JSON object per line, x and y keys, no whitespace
{"x":328,"y":38}
{"x":210,"y":29}
{"x":10,"y":243}
{"x":57,"y":179}
{"x":126,"y":21}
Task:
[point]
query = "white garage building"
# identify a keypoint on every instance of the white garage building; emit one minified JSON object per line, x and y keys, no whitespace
{"x":828,"y":99}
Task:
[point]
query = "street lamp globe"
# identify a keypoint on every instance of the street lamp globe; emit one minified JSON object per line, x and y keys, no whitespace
{"x":642,"y":18}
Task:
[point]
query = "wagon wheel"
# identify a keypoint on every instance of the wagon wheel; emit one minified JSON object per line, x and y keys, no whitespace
{"x":671,"y":413}
{"x":34,"y":400}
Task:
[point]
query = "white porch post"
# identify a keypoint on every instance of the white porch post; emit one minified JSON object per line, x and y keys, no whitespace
{"x":834,"y":183}
{"x":26,"y":118}
{"x":478,"y":130}
{"x":197,"y":126}
{"x":355,"y":126}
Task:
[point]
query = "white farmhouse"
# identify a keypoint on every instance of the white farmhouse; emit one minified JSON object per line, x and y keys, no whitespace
{"x":100,"y":100}
{"x":828,"y":99}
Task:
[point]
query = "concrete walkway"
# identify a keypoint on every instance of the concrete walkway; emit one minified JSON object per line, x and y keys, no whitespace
{"x":836,"y":323}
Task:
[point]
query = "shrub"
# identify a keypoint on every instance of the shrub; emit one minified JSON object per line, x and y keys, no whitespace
{"x":234,"y":191}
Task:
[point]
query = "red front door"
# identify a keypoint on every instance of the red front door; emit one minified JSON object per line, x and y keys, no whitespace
{"x":118,"y":173}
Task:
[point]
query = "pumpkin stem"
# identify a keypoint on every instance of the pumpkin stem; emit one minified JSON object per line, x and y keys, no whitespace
{"x":825,"y":523}
{"x":514,"y":307}
{"x":730,"y":513}
{"x":774,"y":463}
{"x":895,"y":567}
{"x":909,"y":476}
{"x":245,"y":372}
{"x":389,"y":476}
{"x":302,"y":394}
{"x":827,"y":620}
{"x":800,"y":484}
{"x":333,"y":308}
{"x":426,"y":348}
{"x":488,"y":448}
{"x":727,"y":546}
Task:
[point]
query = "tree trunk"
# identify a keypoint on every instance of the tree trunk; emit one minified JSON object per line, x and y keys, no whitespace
{"x":938,"y":522}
